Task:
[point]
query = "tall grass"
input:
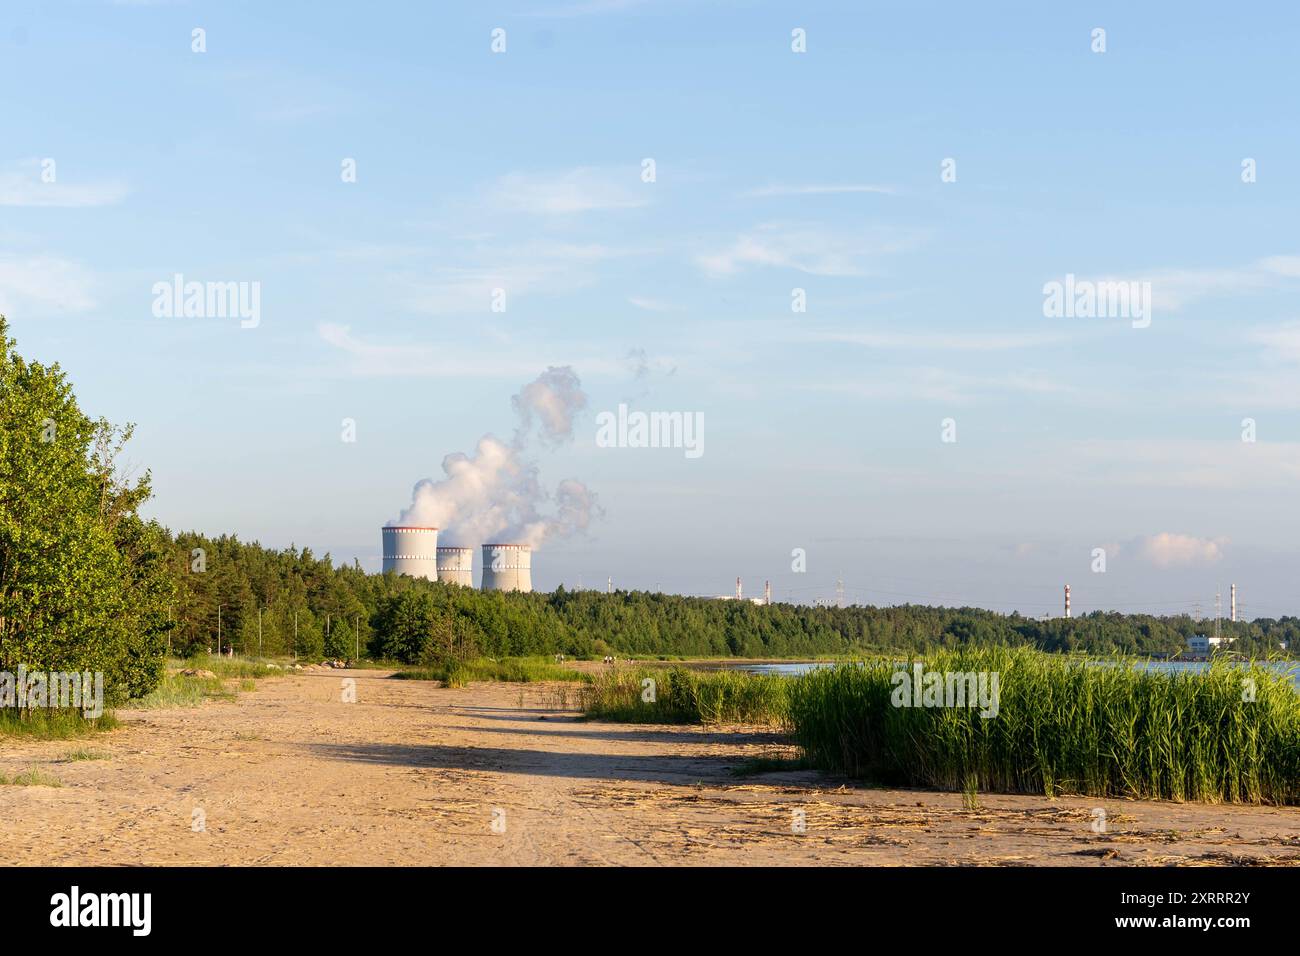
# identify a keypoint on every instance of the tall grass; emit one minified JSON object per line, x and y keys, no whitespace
{"x":42,"y":723}
{"x":1064,"y":725}
{"x":184,"y":690}
{"x":180,"y":690}
{"x":520,"y":670}
{"x":233,"y":666}
{"x":681,"y":696}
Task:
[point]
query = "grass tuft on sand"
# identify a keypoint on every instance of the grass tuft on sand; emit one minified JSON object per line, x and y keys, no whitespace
{"x":30,"y":778}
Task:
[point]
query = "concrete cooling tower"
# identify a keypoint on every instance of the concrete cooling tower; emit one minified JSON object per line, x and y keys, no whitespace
{"x":456,"y":565}
{"x":413,"y":551}
{"x":507,"y":567}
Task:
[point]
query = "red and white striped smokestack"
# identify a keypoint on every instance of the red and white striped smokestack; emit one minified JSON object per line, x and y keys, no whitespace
{"x":1234,"y":603}
{"x":1067,"y":600}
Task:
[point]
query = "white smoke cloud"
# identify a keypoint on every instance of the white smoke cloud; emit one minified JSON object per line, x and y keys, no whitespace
{"x":494,"y":494}
{"x":552,"y":400}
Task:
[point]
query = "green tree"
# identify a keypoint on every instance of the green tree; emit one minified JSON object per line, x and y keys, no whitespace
{"x":83,"y":579}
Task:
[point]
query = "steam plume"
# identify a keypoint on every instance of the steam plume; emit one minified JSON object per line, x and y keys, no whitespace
{"x":494,"y":494}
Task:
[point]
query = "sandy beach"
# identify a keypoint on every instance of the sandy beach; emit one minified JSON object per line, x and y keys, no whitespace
{"x":506,"y":774}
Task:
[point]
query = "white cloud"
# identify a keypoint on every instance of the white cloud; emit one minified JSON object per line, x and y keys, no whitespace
{"x":942,"y":341}
{"x":1168,"y":550}
{"x":1174,"y":289}
{"x":807,"y":249}
{"x":816,"y":190}
{"x":529,"y":269}
{"x":456,"y":359}
{"x":588,"y":8}
{"x":1284,"y":340}
{"x":652,"y":305}
{"x":941,"y":385}
{"x":43,"y":284}
{"x":585,"y":189}
{"x":21,"y":185}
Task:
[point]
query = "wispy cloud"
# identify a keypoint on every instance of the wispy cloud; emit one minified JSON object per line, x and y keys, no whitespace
{"x":21,"y":185}
{"x":1175,"y":289}
{"x":810,"y":249}
{"x":446,"y":360}
{"x":586,"y":8}
{"x":1283,"y":341}
{"x":931,"y":384}
{"x":816,"y":190}
{"x":652,"y":305}
{"x":543,"y":267}
{"x":941,"y":341}
{"x":585,"y":189}
{"x":42,"y":284}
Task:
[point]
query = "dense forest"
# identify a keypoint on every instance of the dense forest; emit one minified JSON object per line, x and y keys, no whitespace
{"x":408,"y":619}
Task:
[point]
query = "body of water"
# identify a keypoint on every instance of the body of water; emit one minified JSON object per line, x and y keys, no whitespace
{"x":795,"y":668}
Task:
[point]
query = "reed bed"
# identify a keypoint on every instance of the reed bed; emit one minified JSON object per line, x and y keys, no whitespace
{"x":1230,"y":733}
{"x":682,"y":696}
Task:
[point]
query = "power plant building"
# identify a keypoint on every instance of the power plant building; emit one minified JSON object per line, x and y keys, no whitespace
{"x":507,"y":567}
{"x":411,"y":550}
{"x":456,"y":565}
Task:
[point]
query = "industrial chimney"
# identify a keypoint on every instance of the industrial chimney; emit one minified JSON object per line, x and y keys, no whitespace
{"x":1234,"y":603}
{"x":456,"y":565}
{"x":1067,"y":600}
{"x":507,"y":567}
{"x":411,"y":550}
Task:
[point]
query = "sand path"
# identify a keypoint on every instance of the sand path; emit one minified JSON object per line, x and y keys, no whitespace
{"x":413,"y":774}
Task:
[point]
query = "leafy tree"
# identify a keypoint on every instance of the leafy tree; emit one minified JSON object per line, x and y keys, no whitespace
{"x":83,"y":579}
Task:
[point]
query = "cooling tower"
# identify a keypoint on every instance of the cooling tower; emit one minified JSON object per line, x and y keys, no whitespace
{"x":507,"y":567}
{"x":411,"y":551}
{"x":456,"y":565}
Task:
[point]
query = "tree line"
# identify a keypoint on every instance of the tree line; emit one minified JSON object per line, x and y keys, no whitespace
{"x":87,"y":584}
{"x":410,"y":620}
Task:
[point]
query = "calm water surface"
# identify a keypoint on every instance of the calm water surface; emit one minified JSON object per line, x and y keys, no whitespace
{"x":795,"y":668}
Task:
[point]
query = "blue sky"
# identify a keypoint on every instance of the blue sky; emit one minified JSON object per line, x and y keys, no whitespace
{"x":774,"y":170}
